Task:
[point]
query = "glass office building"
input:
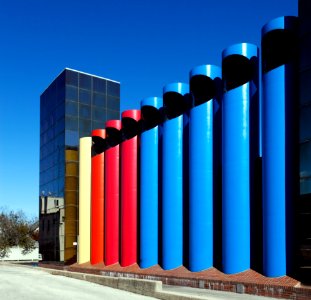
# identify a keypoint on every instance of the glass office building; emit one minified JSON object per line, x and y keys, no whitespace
{"x":304,"y":208}
{"x":72,"y":106}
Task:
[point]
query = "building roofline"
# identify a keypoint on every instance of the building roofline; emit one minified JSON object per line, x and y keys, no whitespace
{"x":89,"y":74}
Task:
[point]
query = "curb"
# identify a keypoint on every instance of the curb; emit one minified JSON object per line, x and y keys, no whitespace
{"x":138,"y":286}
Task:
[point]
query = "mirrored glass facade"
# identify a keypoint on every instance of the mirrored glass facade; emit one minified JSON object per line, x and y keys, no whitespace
{"x":72,"y":106}
{"x":305,"y":97}
{"x":304,"y":206}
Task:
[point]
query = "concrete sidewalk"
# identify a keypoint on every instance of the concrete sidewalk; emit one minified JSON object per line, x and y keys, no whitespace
{"x":20,"y":282}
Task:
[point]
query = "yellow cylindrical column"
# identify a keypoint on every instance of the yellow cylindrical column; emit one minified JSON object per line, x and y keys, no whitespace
{"x":84,"y":200}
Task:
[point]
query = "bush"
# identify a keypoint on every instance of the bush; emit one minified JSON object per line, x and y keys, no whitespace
{"x":16,"y":230}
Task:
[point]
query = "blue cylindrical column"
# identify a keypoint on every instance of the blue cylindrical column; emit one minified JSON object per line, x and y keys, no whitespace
{"x":239,"y":149}
{"x":280,"y":176}
{"x":205,"y":85}
{"x":172,"y":174}
{"x":149,"y":181}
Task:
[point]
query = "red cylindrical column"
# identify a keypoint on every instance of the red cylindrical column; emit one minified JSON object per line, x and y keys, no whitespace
{"x":129,"y":160}
{"x":97,"y":196}
{"x":112,"y":194}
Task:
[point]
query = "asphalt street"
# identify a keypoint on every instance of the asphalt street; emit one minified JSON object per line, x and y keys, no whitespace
{"x":23,"y":283}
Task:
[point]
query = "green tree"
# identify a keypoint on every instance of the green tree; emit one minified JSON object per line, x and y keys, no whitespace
{"x":16,"y":229}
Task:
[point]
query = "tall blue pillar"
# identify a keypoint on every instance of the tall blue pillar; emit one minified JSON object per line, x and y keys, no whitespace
{"x":204,"y":163}
{"x":174,"y":140}
{"x":239,"y":150}
{"x":280,"y":141}
{"x":149,"y":181}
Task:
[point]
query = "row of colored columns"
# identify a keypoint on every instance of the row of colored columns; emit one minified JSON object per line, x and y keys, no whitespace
{"x":177,"y":182}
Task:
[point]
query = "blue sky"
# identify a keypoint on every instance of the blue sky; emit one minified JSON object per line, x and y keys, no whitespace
{"x":143,"y":44}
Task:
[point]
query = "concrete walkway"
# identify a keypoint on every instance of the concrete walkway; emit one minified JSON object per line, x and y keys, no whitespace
{"x":25,"y":283}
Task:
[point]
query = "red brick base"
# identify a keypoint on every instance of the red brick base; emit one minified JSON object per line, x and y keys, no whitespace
{"x":248,"y":282}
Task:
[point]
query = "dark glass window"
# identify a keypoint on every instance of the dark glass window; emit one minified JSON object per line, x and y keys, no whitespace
{"x":305,"y":49}
{"x":61,"y":94}
{"x":85,"y":126}
{"x":72,"y":108}
{"x":99,"y":85}
{"x":42,"y":125}
{"x":98,"y":124}
{"x":51,"y":120}
{"x":60,"y":183}
{"x":112,"y":114}
{"x":61,"y":155}
{"x":99,"y":99}
{"x":55,"y":188}
{"x":99,"y":113}
{"x":71,"y":78}
{"x":43,"y":152}
{"x":42,"y":165}
{"x":44,"y":188}
{"x":47,"y":188}
{"x":52,"y":144}
{"x":50,"y":133}
{"x":85,"y":111}
{"x":50,"y":147}
{"x":305,"y":123}
{"x":85,"y":97}
{"x":60,"y":111}
{"x":43,"y":175}
{"x":71,"y":123}
{"x":85,"y":82}
{"x":71,"y":93}
{"x":71,"y":138}
{"x":45,"y":125}
{"x":84,"y":134}
{"x":43,"y":139}
{"x":60,"y":126}
{"x":53,"y":158}
{"x":113,"y":103}
{"x":54,"y":172}
{"x":49,"y":160}
{"x":60,"y":140}
{"x":305,"y":87}
{"x":113,"y":89}
{"x":61,"y":170}
{"x":305,"y":168}
{"x":48,"y":175}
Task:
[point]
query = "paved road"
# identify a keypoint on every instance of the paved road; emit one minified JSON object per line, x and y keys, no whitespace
{"x":24,"y":283}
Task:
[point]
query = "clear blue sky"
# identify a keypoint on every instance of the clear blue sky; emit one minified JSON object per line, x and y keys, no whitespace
{"x":144,"y":44}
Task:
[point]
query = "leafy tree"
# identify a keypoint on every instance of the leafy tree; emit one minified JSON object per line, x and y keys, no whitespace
{"x":16,"y":230}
